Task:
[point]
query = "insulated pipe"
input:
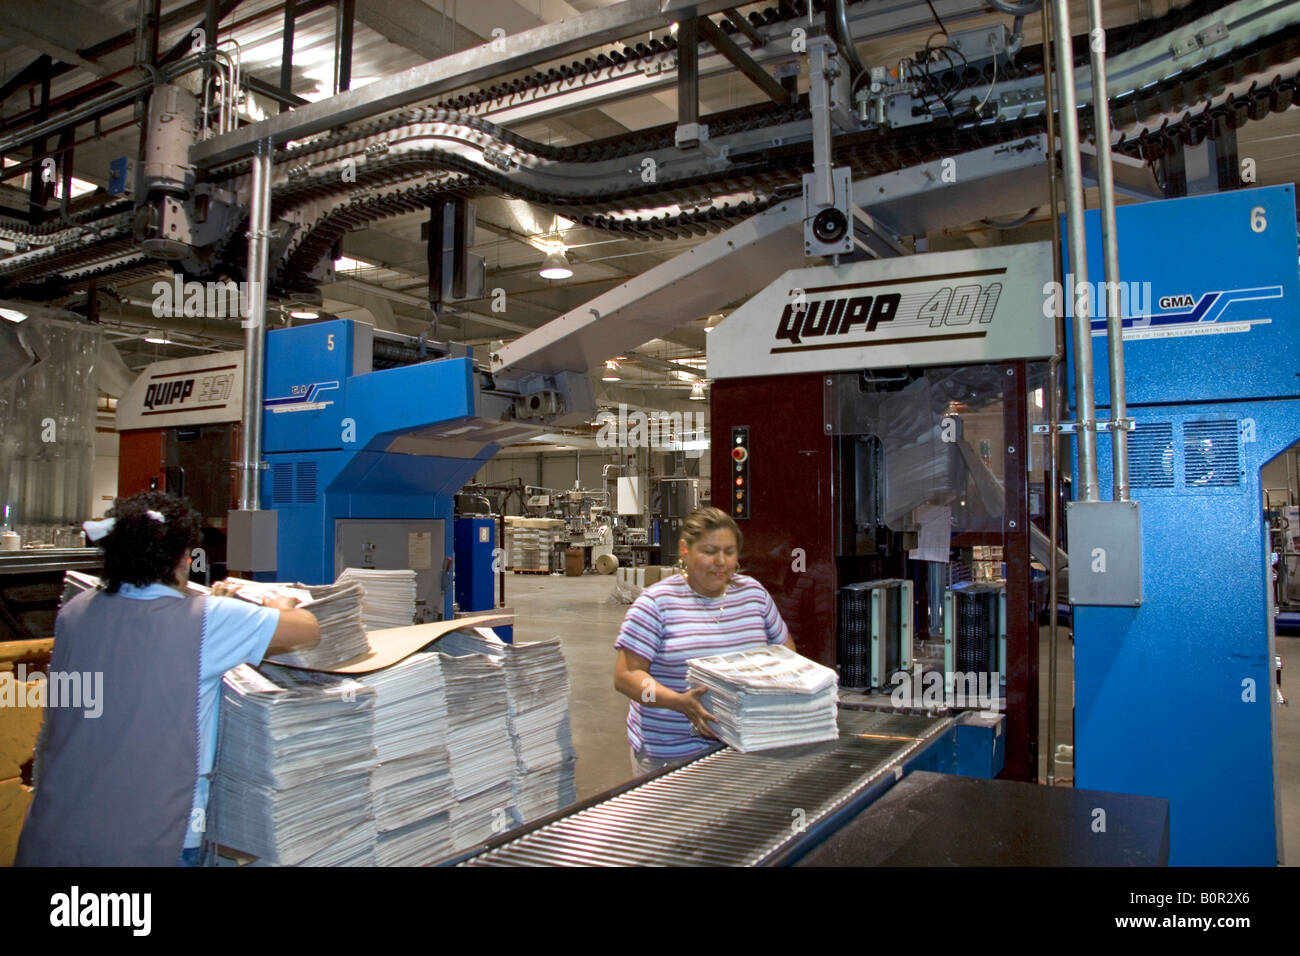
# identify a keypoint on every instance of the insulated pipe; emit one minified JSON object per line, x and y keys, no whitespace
{"x":259,"y":227}
{"x":1110,"y":245}
{"x":1077,"y":233}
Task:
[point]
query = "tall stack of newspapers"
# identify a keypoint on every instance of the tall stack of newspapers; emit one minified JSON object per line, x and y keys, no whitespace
{"x":478,"y":744}
{"x":537,"y":694}
{"x":389,"y":596}
{"x":410,"y":786}
{"x":767,"y":697}
{"x":292,"y":779}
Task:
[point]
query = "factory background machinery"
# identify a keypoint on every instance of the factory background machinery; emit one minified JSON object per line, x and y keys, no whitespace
{"x":890,"y":489}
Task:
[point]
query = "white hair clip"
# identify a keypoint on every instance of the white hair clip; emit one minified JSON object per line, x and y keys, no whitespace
{"x":157,"y":516}
{"x":97,"y":529}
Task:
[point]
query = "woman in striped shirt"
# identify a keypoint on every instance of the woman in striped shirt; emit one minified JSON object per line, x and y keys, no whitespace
{"x":707,"y":609}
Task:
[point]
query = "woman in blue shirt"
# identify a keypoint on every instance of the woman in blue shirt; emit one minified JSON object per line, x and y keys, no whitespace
{"x":126,"y":784}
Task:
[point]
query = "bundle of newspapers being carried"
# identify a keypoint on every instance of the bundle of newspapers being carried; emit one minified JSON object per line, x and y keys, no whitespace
{"x":336,"y":607}
{"x":767,"y":697}
{"x":389,"y":599}
{"x":537,"y":697}
{"x":292,"y":778}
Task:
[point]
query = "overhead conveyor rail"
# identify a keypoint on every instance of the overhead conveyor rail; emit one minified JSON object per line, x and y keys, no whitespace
{"x":733,"y":809}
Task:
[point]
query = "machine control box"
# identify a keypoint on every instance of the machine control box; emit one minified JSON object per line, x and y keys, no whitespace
{"x":1105,"y":552}
{"x":741,"y":493}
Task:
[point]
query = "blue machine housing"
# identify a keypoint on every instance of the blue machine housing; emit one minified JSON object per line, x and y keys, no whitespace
{"x":345,"y":442}
{"x":1174,"y":699}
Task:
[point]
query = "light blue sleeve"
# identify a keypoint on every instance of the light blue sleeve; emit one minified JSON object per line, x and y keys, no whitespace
{"x":235,"y":632}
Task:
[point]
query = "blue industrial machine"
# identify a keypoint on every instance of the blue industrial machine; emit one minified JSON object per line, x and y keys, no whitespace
{"x":1173,"y":695}
{"x":364,"y":463}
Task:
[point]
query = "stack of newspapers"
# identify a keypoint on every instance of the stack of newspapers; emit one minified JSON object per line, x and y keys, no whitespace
{"x":478,"y":743}
{"x":767,"y":697}
{"x":410,"y":786}
{"x":292,"y":779}
{"x":537,"y":694}
{"x":389,"y":599}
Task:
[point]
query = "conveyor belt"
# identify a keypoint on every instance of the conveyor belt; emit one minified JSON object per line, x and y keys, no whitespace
{"x":726,"y":808}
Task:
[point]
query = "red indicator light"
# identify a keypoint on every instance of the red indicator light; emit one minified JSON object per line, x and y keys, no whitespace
{"x":740,"y":454}
{"x":739,"y":482}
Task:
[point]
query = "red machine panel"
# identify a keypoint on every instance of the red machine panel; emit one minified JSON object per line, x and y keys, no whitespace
{"x":788,"y":477}
{"x":140,"y":461}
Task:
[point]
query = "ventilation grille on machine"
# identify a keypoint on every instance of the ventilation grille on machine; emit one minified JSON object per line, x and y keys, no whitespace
{"x":1151,"y":455}
{"x":281,"y":484}
{"x":1212,"y":454}
{"x":306,"y":492}
{"x":293,"y":483}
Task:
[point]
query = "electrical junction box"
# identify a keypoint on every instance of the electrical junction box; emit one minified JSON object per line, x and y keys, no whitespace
{"x":252,"y":541}
{"x":1105,"y":552}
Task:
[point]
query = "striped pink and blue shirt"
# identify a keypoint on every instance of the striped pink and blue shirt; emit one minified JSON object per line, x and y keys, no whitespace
{"x":668,"y":625}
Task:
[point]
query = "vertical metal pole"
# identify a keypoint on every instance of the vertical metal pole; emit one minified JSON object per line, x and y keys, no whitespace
{"x":1110,"y":246}
{"x":688,"y":73}
{"x":1053,"y":410}
{"x":155,"y":27}
{"x":1083,"y":378}
{"x":343,"y":45}
{"x":259,"y":225}
{"x":286,"y":50}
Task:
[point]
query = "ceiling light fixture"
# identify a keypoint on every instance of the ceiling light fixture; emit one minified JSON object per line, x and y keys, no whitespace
{"x":13,"y":315}
{"x":610,"y":368}
{"x":304,"y":314}
{"x":556,"y":266}
{"x":697,"y":392}
{"x":156,"y":340}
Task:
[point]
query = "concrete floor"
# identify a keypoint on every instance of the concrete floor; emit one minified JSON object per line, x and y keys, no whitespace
{"x":581,"y":613}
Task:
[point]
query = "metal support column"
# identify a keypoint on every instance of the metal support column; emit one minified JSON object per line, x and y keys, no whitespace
{"x":688,"y":83}
{"x":286,"y":50}
{"x":344,"y":23}
{"x":259,"y":227}
{"x":1076,"y":230}
{"x":1021,"y":623}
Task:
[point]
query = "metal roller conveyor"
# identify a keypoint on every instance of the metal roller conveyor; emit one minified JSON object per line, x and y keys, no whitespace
{"x":728,"y":808}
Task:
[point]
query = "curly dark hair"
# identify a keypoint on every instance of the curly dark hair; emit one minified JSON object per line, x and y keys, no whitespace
{"x":142,"y":550}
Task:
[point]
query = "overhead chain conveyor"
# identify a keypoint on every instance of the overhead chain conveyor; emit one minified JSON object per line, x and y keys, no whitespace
{"x":406,"y":160}
{"x":753,"y":809}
